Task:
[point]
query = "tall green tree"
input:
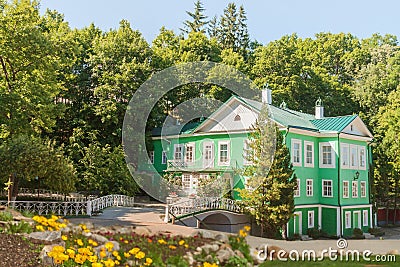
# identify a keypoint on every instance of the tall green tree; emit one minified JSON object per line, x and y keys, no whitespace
{"x":268,"y":197}
{"x":198,"y":19}
{"x":29,"y":62}
{"x":25,"y":157}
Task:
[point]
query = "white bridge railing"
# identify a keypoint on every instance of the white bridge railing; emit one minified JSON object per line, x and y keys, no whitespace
{"x":75,"y":208}
{"x":193,"y":205}
{"x":48,"y":194}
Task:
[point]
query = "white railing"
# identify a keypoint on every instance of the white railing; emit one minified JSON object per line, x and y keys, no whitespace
{"x":176,"y":164}
{"x":45,"y":193}
{"x":101,"y":203}
{"x":193,"y":205}
{"x":74,"y":208}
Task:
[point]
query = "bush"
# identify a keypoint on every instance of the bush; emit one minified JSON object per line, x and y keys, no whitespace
{"x":314,"y":233}
{"x":358,"y":233}
{"x":5,"y":216}
{"x":376,"y":231}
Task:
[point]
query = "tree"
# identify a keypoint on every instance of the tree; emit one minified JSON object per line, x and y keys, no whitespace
{"x":29,"y":64}
{"x":271,"y":178}
{"x":25,"y":157}
{"x":198,"y":19}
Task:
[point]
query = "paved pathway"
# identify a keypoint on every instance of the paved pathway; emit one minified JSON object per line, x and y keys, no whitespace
{"x":151,"y":217}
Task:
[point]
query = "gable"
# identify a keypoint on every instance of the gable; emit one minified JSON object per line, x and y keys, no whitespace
{"x":357,"y":127}
{"x":232,"y":116}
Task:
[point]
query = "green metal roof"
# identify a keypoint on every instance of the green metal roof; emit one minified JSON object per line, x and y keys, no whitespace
{"x":336,"y":124}
{"x":175,"y":129}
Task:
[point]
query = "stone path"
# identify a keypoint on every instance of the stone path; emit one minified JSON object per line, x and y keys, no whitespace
{"x":151,"y":217}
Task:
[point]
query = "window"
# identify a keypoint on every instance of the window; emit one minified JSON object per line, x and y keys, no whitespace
{"x":246,"y":152}
{"x":310,"y":219}
{"x":354,"y":189}
{"x":345,"y":189}
{"x":365,"y":218}
{"x":353,"y":156}
{"x":309,"y":154}
{"x":347,"y":219}
{"x":309,"y":187}
{"x":208,"y":154}
{"x":178,"y":152}
{"x":296,"y":152}
{"x":361,"y":155}
{"x":326,"y":156}
{"x":237,"y":118}
{"x":363,"y":187}
{"x":189,"y":153}
{"x":164,"y":157}
{"x":327,"y":188}
{"x":297,"y":188}
{"x":344,"y":155}
{"x":151,"y":157}
{"x":223,"y":153}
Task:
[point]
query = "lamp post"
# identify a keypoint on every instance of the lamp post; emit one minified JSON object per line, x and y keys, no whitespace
{"x":356,"y":175}
{"x":38,"y":191}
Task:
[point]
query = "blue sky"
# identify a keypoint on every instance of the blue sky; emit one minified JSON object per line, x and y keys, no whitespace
{"x":267,"y":20}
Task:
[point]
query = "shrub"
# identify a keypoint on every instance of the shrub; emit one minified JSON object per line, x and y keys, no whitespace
{"x":6,"y":216}
{"x":358,"y":233}
{"x":376,"y":231}
{"x":314,"y":233}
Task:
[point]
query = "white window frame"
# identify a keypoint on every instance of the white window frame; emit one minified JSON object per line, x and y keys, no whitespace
{"x":193,"y":152}
{"x":221,"y":163}
{"x":347,"y":219}
{"x":306,"y":164}
{"x":309,"y":187}
{"x":343,"y":147}
{"x":321,"y":156}
{"x":164,"y":157}
{"x":208,"y":163}
{"x":181,"y":152}
{"x":345,"y":189}
{"x":353,"y":164}
{"x":310,"y":215}
{"x":297,"y":189}
{"x":296,"y":163}
{"x":363,"y":189}
{"x":354,"y":189}
{"x":365,"y":217}
{"x":151,"y":157}
{"x":246,"y":148}
{"x":323,"y":188}
{"x":362,"y":162}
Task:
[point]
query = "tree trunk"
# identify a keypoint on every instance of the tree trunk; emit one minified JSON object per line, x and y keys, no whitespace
{"x":395,"y":201}
{"x":14,"y":187}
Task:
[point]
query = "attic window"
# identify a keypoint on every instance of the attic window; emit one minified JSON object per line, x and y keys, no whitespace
{"x":237,"y":118}
{"x":351,"y":127}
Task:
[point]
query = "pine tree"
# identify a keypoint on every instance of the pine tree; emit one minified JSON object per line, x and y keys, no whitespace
{"x":198,"y":19}
{"x":268,"y":197}
{"x":213,"y":27}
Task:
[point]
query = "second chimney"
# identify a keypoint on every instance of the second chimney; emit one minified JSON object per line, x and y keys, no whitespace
{"x":319,"y":109}
{"x":266,"y":96}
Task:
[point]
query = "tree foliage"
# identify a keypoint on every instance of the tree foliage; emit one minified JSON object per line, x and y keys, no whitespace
{"x":271,"y":179}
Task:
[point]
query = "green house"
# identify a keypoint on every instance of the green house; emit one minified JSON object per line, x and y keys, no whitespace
{"x":331,"y":157}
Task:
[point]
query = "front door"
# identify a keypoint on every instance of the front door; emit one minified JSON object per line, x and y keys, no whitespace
{"x":208,"y":155}
{"x":357,"y":219}
{"x":297,"y":222}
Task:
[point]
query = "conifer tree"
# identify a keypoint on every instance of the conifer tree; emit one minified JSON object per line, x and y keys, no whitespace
{"x":268,"y":196}
{"x":198,"y":19}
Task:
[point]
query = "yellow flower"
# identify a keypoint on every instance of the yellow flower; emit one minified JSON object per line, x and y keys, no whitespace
{"x":109,"y":246}
{"x":103,"y":254}
{"x":242,"y":233}
{"x":162,"y":241}
{"x":71,"y":253}
{"x":181,"y":242}
{"x":92,"y":259}
{"x":140,"y":255}
{"x":39,"y":228}
{"x":247,"y":228}
{"x":206,"y":264}
{"x":116,"y":262}
{"x":83,"y":226}
{"x":134,"y":251}
{"x":127,"y":254}
{"x":80,"y":258}
{"x":148,"y":262}
{"x":58,"y":249}
{"x":85,"y":251}
{"x":109,"y":263}
{"x":79,"y":242}
{"x":172,"y":247}
{"x":115,"y":253}
{"x":186,"y":245}
{"x":64,"y":237}
{"x":126,"y":241}
{"x":97,"y":264}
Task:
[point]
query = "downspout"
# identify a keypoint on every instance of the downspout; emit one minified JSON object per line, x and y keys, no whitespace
{"x":370,"y":180}
{"x":339,"y":183}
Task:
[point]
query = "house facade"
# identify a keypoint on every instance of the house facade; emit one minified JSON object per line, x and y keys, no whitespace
{"x":331,"y":157}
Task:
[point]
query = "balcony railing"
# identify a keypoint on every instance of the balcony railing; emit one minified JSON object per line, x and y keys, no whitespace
{"x":176,"y":164}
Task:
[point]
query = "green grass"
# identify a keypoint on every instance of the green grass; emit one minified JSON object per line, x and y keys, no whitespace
{"x":328,"y":263}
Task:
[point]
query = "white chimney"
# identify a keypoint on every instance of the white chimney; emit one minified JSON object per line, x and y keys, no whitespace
{"x":319,"y":109}
{"x":266,"y":96}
